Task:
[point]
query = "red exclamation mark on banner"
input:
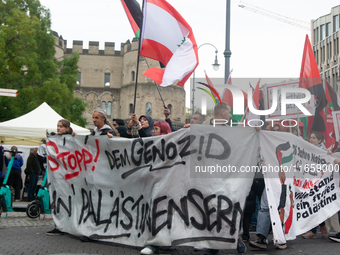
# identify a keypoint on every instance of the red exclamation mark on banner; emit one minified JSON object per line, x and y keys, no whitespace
{"x":97,"y":155}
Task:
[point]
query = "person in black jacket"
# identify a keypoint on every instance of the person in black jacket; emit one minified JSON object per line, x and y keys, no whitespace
{"x":33,"y":170}
{"x":102,"y":125}
{"x":144,"y":125}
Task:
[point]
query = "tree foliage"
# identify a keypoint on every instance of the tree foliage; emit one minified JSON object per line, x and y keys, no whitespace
{"x":27,"y":63}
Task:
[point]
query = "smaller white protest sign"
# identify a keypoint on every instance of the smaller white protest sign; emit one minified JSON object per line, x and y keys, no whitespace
{"x":302,"y":184}
{"x":292,"y":111}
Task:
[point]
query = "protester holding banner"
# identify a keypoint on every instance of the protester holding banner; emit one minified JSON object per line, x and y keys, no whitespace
{"x":197,"y":118}
{"x":263,"y":219}
{"x":63,"y":128}
{"x":222,"y":112}
{"x":102,"y":125}
{"x":159,"y":128}
{"x":316,"y":138}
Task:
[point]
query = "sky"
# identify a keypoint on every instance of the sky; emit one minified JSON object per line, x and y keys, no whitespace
{"x":261,"y":46}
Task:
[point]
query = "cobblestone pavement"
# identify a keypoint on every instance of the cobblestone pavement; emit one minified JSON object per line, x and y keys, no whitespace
{"x":20,"y":235}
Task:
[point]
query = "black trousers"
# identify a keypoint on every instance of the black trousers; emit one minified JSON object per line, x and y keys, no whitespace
{"x":15,"y":181}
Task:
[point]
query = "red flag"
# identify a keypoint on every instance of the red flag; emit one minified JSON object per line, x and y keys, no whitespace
{"x":168,"y":38}
{"x":228,"y":96}
{"x":330,"y":136}
{"x":256,"y":95}
{"x":332,"y":96}
{"x":256,"y":103}
{"x":212,"y":85}
{"x":310,"y":79}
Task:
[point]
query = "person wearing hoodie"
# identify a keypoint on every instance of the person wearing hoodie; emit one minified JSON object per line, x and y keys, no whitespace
{"x":144,"y":125}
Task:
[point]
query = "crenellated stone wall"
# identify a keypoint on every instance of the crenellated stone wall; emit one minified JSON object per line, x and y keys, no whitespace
{"x":117,"y":95}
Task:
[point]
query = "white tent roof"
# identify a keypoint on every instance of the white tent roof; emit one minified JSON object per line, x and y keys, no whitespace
{"x":31,"y":127}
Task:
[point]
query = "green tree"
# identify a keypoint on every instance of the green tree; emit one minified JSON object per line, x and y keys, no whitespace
{"x":27,"y":63}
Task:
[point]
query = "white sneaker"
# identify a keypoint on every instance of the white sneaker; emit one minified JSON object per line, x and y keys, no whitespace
{"x":149,"y":250}
{"x":281,"y":246}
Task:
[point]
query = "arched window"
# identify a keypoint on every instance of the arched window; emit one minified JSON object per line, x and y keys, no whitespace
{"x":170,"y":108}
{"x":133,"y":76}
{"x":107,"y":79}
{"x":148,"y":108}
{"x":131,"y":108}
{"x":104,"y":106}
{"x":108,"y":109}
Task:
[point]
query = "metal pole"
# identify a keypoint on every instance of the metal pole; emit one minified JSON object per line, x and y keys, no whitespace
{"x":227,"y":52}
{"x":193,"y":93}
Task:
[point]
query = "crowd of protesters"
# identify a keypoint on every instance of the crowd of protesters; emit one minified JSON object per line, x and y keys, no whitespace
{"x":147,"y":127}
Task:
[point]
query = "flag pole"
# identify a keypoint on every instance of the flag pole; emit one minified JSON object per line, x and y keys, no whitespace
{"x":137,"y":69}
{"x":245,"y":112}
{"x":159,"y":92}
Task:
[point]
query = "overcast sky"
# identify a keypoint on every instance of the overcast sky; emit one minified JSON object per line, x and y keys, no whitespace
{"x":261,"y":46}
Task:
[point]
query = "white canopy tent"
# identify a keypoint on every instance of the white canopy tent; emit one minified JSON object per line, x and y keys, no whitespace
{"x":30,"y":128}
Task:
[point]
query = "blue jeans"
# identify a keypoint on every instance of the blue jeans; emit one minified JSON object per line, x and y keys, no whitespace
{"x":32,"y":186}
{"x":263,"y":217}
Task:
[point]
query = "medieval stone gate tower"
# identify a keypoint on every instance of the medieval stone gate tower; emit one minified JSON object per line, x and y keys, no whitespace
{"x":106,"y":80}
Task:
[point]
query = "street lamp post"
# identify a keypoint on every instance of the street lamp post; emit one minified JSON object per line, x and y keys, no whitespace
{"x":215,"y":67}
{"x":227,"y":52}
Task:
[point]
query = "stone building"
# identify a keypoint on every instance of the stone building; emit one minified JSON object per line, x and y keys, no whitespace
{"x":107,"y":80}
{"x":325,"y":43}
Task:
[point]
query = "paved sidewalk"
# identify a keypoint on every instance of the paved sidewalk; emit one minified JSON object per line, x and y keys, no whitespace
{"x":20,"y":235}
{"x":20,"y":219}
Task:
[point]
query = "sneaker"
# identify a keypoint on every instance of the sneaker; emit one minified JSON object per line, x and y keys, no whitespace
{"x":281,"y":246}
{"x":150,"y":249}
{"x":241,"y":247}
{"x":54,"y":232}
{"x":335,"y":238}
{"x":259,"y":244}
{"x":210,"y":252}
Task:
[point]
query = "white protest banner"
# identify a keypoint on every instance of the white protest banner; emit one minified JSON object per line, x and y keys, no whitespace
{"x":292,"y":111}
{"x":336,"y":121}
{"x":302,"y":184}
{"x":143,"y":191}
